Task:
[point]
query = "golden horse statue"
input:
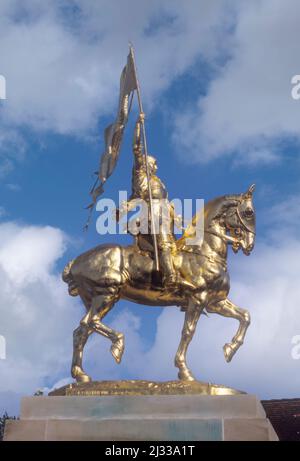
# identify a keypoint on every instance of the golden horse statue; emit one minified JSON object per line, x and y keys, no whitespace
{"x":108,"y":273}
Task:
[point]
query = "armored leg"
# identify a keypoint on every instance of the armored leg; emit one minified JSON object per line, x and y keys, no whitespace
{"x":168,"y":270}
{"x":170,"y":277}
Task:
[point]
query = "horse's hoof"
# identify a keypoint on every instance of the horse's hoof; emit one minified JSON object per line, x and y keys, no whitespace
{"x":84,"y":379}
{"x":117,"y":348}
{"x":186,"y":376}
{"x":228,"y":352}
{"x":80,"y":376}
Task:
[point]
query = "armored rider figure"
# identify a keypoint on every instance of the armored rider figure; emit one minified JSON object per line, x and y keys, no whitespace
{"x":163,"y":211}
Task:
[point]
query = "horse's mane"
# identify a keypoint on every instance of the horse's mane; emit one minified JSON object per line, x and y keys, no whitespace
{"x":211,"y":210}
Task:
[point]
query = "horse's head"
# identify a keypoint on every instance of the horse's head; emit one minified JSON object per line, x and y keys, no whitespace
{"x":240,"y":222}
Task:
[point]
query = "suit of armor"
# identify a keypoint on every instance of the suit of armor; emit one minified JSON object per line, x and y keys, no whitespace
{"x":163,"y":211}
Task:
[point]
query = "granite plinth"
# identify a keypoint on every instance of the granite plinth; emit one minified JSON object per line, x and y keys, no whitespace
{"x":141,"y":417}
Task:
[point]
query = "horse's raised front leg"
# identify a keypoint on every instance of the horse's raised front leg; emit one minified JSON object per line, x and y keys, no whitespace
{"x":191,"y":318}
{"x":228,"y":309}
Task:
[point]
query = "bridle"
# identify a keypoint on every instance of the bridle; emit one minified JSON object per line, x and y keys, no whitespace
{"x":227,"y":238}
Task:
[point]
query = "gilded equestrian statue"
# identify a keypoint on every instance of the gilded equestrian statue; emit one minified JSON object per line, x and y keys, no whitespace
{"x":108,"y":273}
{"x":158,"y":269}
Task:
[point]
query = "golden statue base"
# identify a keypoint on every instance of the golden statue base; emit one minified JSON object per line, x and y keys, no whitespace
{"x":138,"y":387}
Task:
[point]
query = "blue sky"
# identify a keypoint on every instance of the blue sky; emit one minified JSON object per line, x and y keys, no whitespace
{"x":219,"y":116}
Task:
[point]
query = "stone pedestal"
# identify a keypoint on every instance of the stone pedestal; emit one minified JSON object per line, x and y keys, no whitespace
{"x":141,"y":418}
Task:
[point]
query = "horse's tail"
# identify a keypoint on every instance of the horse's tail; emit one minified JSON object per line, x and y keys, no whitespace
{"x":68,"y":278}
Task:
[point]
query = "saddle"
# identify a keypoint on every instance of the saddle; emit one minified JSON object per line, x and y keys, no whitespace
{"x":144,"y":244}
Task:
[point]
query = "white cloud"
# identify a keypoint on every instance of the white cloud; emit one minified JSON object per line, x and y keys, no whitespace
{"x":37,"y":318}
{"x":62,"y":62}
{"x":12,"y":148}
{"x":62,"y":59}
{"x":285,"y":214}
{"x":248,"y":107}
{"x":36,"y":315}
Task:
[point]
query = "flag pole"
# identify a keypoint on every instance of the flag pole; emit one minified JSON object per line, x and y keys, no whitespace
{"x":153,"y":230}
